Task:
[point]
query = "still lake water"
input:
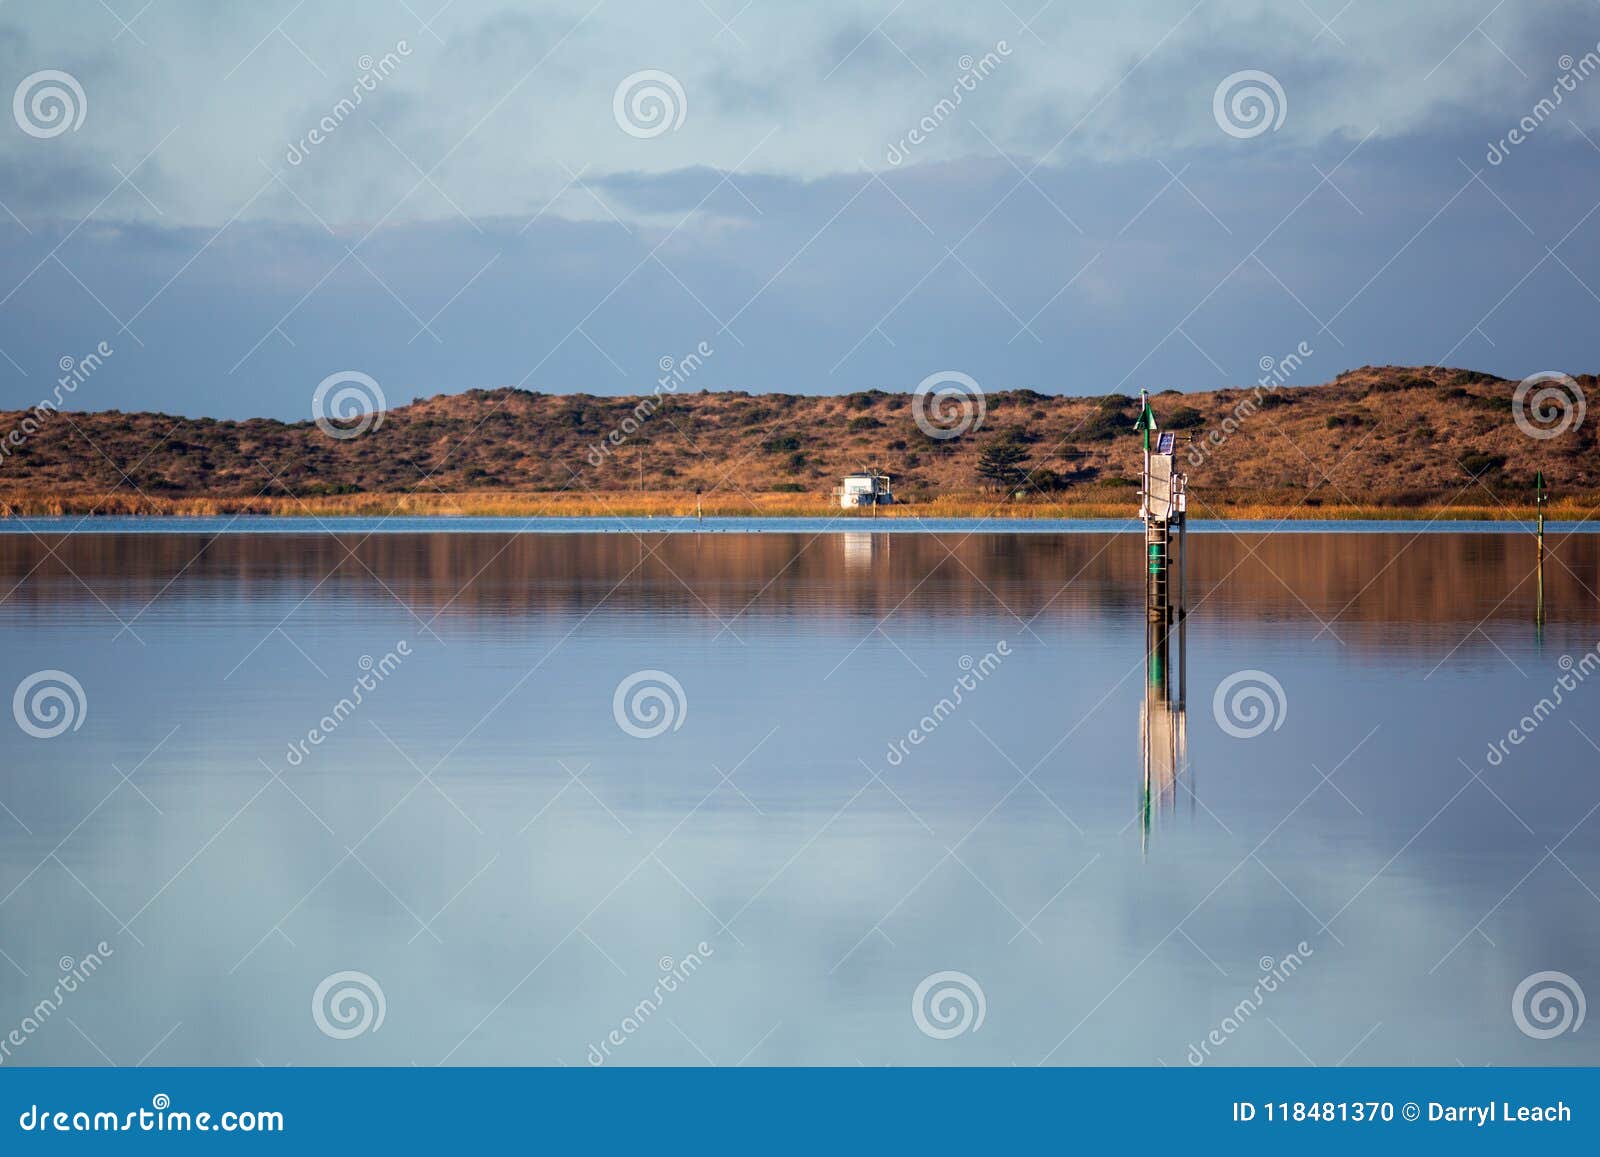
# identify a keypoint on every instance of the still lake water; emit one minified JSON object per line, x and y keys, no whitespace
{"x":488,"y":840}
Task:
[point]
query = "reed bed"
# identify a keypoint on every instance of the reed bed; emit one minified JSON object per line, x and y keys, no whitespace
{"x":634,"y":504}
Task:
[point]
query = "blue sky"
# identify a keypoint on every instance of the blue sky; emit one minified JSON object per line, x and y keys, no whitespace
{"x":1081,"y":222}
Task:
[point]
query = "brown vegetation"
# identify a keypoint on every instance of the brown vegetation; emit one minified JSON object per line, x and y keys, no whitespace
{"x":1379,"y":441}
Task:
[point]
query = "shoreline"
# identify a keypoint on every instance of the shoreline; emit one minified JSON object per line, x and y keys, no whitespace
{"x":217,"y":526}
{"x":908,"y":517}
{"x":620,"y":507}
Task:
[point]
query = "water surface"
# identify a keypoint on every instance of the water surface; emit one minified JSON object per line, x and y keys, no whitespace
{"x":514,"y":867}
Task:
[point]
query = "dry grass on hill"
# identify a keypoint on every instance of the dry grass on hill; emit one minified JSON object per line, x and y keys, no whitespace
{"x":1375,"y":440}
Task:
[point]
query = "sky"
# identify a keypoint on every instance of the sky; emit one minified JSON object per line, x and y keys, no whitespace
{"x":829,"y":197}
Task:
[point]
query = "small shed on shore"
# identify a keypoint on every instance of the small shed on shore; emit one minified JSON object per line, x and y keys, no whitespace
{"x":864,"y":489}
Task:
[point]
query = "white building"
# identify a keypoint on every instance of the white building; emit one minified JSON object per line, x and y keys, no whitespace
{"x":864,"y":490}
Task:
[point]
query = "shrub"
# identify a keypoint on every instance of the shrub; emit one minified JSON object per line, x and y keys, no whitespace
{"x":1395,"y":385}
{"x":1478,"y":464}
{"x":1106,"y":425}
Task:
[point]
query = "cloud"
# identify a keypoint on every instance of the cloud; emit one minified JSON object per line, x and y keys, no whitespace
{"x":1078,"y":221}
{"x":1184,"y":274}
{"x":500,"y":107}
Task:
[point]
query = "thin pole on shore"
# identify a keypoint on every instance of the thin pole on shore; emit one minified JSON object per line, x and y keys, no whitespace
{"x":1541,"y":495}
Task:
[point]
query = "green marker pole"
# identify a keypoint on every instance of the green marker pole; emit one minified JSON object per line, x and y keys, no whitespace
{"x":1540,"y":497}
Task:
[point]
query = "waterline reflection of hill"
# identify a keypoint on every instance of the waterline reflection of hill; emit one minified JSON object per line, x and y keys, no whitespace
{"x":1348,"y":582}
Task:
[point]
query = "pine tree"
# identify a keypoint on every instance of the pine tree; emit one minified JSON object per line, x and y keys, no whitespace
{"x":1003,"y":463}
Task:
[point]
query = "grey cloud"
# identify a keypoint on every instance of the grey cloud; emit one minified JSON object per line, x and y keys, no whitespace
{"x":512,"y":95}
{"x":827,"y":278}
{"x":816,"y":286}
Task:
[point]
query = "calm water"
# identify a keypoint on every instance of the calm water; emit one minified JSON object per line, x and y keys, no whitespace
{"x":1110,"y":857}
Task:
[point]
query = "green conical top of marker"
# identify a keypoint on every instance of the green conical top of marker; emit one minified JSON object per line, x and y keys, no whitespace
{"x":1146,"y":423}
{"x":1538,"y":482}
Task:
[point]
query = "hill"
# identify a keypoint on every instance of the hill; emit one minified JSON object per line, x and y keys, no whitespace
{"x":1386,"y":436}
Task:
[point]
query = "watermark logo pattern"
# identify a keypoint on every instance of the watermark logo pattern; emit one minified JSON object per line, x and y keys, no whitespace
{"x":947,"y":405}
{"x":1248,"y":103}
{"x":649,"y":103}
{"x":1248,"y":703}
{"x":1547,"y":1004}
{"x":48,"y":103}
{"x":346,"y":397}
{"x":348,"y":1004}
{"x":948,"y":1004}
{"x":1548,"y":404}
{"x":649,"y":703}
{"x":47,"y":703}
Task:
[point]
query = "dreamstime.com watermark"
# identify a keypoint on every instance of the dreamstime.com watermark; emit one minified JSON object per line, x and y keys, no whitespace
{"x":649,"y":703}
{"x":947,"y":405}
{"x":974,"y":672}
{"x":1275,"y":373}
{"x":375,"y":671}
{"x":1548,"y":404}
{"x":161,"y":1117}
{"x":1274,"y":973}
{"x":649,"y":103}
{"x":1249,"y":702}
{"x":348,"y":1004}
{"x":372,"y":73}
{"x":74,"y":372}
{"x":347,"y":404}
{"x":73,"y":974}
{"x":49,"y":703}
{"x":1575,"y":672}
{"x":948,"y":1004}
{"x":973,"y":73}
{"x":1573,"y":73}
{"x":1547,"y":1004}
{"x":1248,"y":103}
{"x":674,"y":973}
{"x":674,"y":372}
{"x":48,"y":103}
